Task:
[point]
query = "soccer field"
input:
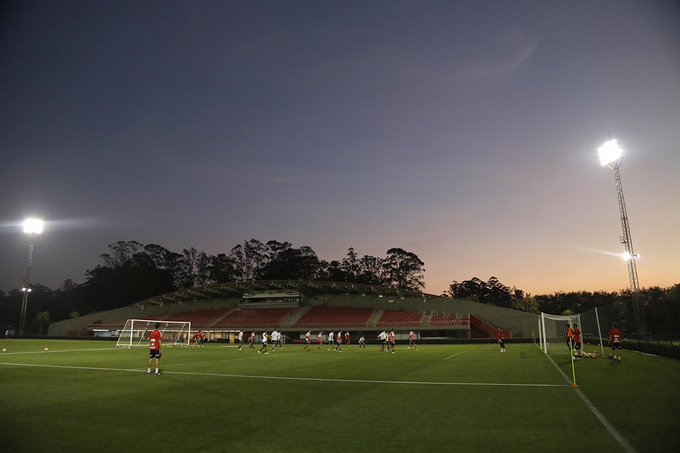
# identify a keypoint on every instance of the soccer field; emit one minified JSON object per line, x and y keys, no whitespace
{"x":89,"y":396}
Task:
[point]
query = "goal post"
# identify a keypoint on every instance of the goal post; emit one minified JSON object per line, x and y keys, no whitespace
{"x":552,"y":331}
{"x":137,"y":332}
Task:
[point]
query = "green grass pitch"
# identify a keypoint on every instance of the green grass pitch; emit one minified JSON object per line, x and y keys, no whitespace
{"x":89,"y":396}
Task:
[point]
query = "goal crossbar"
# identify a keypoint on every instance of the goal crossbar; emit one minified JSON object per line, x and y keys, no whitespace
{"x":552,"y":331}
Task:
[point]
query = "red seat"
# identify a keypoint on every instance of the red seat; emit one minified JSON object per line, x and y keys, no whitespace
{"x":320,"y":315}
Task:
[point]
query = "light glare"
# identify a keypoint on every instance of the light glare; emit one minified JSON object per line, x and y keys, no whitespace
{"x":33,"y":226}
{"x":609,"y":152}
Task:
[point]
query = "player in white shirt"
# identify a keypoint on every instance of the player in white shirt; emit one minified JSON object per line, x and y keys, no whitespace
{"x":307,"y":337}
{"x":362,"y":342}
{"x":331,"y":339}
{"x":275,"y":339}
{"x":338,"y":341}
{"x":240,"y":339}
{"x":264,"y":343}
{"x":382,"y":336}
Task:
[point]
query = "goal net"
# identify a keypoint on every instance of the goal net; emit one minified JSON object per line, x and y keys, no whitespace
{"x":552,"y":331}
{"x":137,"y":332}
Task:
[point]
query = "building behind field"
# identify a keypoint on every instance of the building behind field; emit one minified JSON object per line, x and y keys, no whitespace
{"x":294,"y":307}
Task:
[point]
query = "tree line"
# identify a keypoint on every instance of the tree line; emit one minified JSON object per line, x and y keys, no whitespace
{"x":131,"y":271}
{"x":659,"y":307}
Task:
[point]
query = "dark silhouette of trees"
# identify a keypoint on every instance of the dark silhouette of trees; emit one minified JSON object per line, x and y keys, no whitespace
{"x":131,"y":271}
{"x":491,"y":292}
{"x":402,"y":269}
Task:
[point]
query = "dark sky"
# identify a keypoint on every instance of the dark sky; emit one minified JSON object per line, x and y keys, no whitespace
{"x":465,"y":132}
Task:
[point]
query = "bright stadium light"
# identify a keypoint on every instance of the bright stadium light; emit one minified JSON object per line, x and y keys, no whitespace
{"x":609,"y":152}
{"x":611,"y":155}
{"x":32,"y":227}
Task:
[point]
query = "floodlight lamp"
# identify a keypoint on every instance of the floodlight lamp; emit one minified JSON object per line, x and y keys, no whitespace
{"x":627,"y":256}
{"x":33,"y":226}
{"x":609,"y":152}
{"x":26,"y":290}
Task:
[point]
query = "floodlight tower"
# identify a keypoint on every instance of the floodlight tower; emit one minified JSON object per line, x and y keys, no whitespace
{"x":611,"y":155}
{"x":32,"y":227}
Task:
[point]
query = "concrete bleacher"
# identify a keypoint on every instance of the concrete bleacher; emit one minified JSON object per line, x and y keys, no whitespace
{"x":439,"y":315}
{"x":399,"y":319}
{"x":448,"y":321}
{"x":323,"y":316}
{"x":198,"y":318}
{"x":256,"y":317}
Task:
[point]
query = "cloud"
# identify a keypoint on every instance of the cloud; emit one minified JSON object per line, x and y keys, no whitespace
{"x":507,"y":56}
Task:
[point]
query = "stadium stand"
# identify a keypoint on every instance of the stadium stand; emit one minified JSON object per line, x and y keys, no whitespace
{"x":399,"y":319}
{"x":199,"y":318}
{"x":446,"y":320}
{"x":322,"y":316}
{"x":259,"y":317}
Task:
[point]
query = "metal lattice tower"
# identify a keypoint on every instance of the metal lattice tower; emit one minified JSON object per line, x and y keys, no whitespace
{"x":627,"y":241}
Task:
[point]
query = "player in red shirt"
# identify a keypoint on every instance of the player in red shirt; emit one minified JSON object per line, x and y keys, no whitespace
{"x":347,"y":341}
{"x":251,"y":340}
{"x":577,"y":342}
{"x":501,"y":339}
{"x":615,"y":342}
{"x":319,"y":340}
{"x":155,"y":349}
{"x":412,"y":340}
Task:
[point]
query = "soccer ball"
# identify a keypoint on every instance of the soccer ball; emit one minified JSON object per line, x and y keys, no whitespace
{"x":4,"y":349}
{"x":47,"y":349}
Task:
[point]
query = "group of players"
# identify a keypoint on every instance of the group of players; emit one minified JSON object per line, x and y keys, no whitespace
{"x":574,"y":342}
{"x":334,"y":341}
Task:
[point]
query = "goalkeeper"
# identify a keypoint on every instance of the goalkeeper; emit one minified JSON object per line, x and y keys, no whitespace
{"x":155,"y":349}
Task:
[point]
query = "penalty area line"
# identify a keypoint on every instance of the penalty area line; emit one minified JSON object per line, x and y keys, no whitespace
{"x":291,"y":378}
{"x":459,"y":353}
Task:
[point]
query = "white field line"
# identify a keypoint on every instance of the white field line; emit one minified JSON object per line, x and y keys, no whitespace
{"x":289,"y":378}
{"x":459,"y":353}
{"x":599,"y":415}
{"x":57,"y":352}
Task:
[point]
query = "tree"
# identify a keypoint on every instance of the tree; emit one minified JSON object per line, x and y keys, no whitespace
{"x":292,"y":264}
{"x":350,"y":266}
{"x":403,"y":270}
{"x":527,"y":303}
{"x":490,"y":292}
{"x":196,"y":267}
{"x":221,"y":268}
{"x":248,"y":259}
{"x":370,"y":270}
{"x":42,"y":318}
{"x":121,"y":253}
{"x":468,"y":289}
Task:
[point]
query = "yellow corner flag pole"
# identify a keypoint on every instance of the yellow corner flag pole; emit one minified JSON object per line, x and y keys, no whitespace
{"x":573,"y":368}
